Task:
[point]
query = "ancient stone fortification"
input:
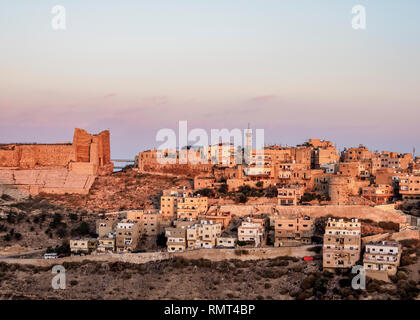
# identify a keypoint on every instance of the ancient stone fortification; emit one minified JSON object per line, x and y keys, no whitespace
{"x":340,"y":188}
{"x":55,"y":168}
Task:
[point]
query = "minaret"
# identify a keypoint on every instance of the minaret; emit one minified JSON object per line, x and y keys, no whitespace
{"x":249,"y":138}
{"x":248,"y":144}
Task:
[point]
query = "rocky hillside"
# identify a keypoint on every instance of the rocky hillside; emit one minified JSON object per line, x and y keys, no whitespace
{"x":121,"y":191}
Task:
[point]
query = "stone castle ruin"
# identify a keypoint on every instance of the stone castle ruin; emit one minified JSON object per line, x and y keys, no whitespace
{"x":29,"y":169}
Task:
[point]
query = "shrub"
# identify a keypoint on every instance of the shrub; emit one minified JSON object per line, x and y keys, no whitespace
{"x":180,"y":262}
{"x":82,"y":229}
{"x":407,"y":260}
{"x":316,"y":249}
{"x":344,"y":283}
{"x":73,"y":283}
{"x":308,"y":282}
{"x":161,"y":240}
{"x":271,"y":192}
{"x":61,"y":233}
{"x":271,"y":274}
{"x":259,"y":184}
{"x":401,"y":275}
{"x":223,"y":188}
{"x":389,"y":225}
{"x":407,"y":290}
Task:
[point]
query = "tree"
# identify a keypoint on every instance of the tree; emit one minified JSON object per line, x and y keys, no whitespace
{"x":242,"y":198}
{"x":61,"y":233}
{"x":223,"y":188}
{"x":271,"y":192}
{"x":205,"y":192}
{"x":64,"y":249}
{"x":83,"y":229}
{"x":161,"y":240}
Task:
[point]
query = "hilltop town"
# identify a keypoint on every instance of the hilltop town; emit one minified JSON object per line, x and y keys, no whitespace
{"x":295,"y":219}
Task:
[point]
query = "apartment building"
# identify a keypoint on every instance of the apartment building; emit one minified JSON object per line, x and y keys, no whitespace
{"x":330,"y":167}
{"x":226,"y":242}
{"x":106,"y":244}
{"x":176,"y":239}
{"x":169,"y":205}
{"x":356,"y":154}
{"x":191,"y":207}
{"x":410,"y":188}
{"x":105,"y":227}
{"x":223,"y":218}
{"x":379,"y":194}
{"x":341,"y":243}
{"x":82,"y":246}
{"x":289,"y":195}
{"x":324,"y":155}
{"x":395,"y":160}
{"x":251,"y":231}
{"x":203,"y":234}
{"x":149,"y":221}
{"x":382,"y":256}
{"x":127,"y":235}
{"x":292,"y":230}
{"x":182,"y":205}
{"x":318,"y":143}
{"x":205,"y":183}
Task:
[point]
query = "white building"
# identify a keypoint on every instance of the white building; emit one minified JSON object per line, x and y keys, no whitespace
{"x":382,"y":256}
{"x":251,"y":232}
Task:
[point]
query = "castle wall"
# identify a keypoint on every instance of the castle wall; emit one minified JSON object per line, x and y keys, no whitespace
{"x":33,"y":182}
{"x":55,"y":168}
{"x":31,"y":156}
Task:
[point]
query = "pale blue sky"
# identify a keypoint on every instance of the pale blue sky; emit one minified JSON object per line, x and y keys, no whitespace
{"x":294,"y":68}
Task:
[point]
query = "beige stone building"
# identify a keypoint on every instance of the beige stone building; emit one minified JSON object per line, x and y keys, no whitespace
{"x":127,"y":235}
{"x":176,"y":239}
{"x":203,"y":234}
{"x":205,"y":183}
{"x":325,"y":155}
{"x":106,"y":245}
{"x":82,"y":246}
{"x":289,"y":195}
{"x":169,"y":205}
{"x":379,"y":194}
{"x":356,"y":154}
{"x":191,"y":207}
{"x":149,"y":221}
{"x":182,"y":206}
{"x":341,"y":243}
{"x":251,"y":231}
{"x":410,"y":188}
{"x":382,"y":256}
{"x":292,"y":230}
{"x":105,"y":226}
{"x":226,"y":242}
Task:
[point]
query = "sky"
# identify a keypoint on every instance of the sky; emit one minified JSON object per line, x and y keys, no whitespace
{"x":295,"y":68}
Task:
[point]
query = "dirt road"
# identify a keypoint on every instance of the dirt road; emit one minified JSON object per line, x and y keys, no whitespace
{"x":140,"y":258}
